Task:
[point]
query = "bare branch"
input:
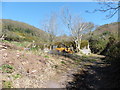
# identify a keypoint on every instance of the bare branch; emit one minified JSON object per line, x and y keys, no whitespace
{"x":110,"y":7}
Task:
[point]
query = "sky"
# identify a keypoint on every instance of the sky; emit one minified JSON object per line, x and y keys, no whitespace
{"x":34,"y":13}
{"x":50,"y":0}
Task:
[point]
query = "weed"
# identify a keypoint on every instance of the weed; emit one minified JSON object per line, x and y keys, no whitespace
{"x":55,"y":66}
{"x":7,"y":84}
{"x":84,"y":56}
{"x":93,"y":60}
{"x":5,"y":41}
{"x":46,"y":56}
{"x":77,"y":61}
{"x":63,"y":62}
{"x":7,"y":68}
{"x":16,"y":76}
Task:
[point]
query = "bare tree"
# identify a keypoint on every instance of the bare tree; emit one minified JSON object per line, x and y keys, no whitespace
{"x":50,"y":26}
{"x":111,"y":7}
{"x":76,"y":26}
{"x":80,"y":27}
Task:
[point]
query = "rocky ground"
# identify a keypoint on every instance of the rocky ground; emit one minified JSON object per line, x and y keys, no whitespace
{"x":28,"y":69}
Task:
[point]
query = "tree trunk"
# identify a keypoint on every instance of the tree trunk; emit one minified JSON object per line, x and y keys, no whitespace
{"x":79,"y":43}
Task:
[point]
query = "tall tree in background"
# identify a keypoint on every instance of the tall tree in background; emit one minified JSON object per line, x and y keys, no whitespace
{"x":50,"y":26}
{"x":76,"y":26}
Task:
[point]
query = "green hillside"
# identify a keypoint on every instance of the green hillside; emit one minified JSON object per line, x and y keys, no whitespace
{"x":107,"y":29}
{"x":19,"y":31}
{"x":102,"y":35}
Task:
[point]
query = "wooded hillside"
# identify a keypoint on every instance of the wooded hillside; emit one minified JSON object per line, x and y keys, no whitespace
{"x":100,"y":37}
{"x":19,"y":31}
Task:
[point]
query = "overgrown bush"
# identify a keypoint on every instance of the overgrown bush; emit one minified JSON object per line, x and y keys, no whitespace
{"x":113,"y":58}
{"x":84,"y":43}
{"x":66,"y":44}
{"x":97,"y":46}
{"x":113,"y":53}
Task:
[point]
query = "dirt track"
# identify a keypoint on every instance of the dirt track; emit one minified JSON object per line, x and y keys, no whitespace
{"x":88,"y":75}
{"x":53,"y":71}
{"x":93,"y":77}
